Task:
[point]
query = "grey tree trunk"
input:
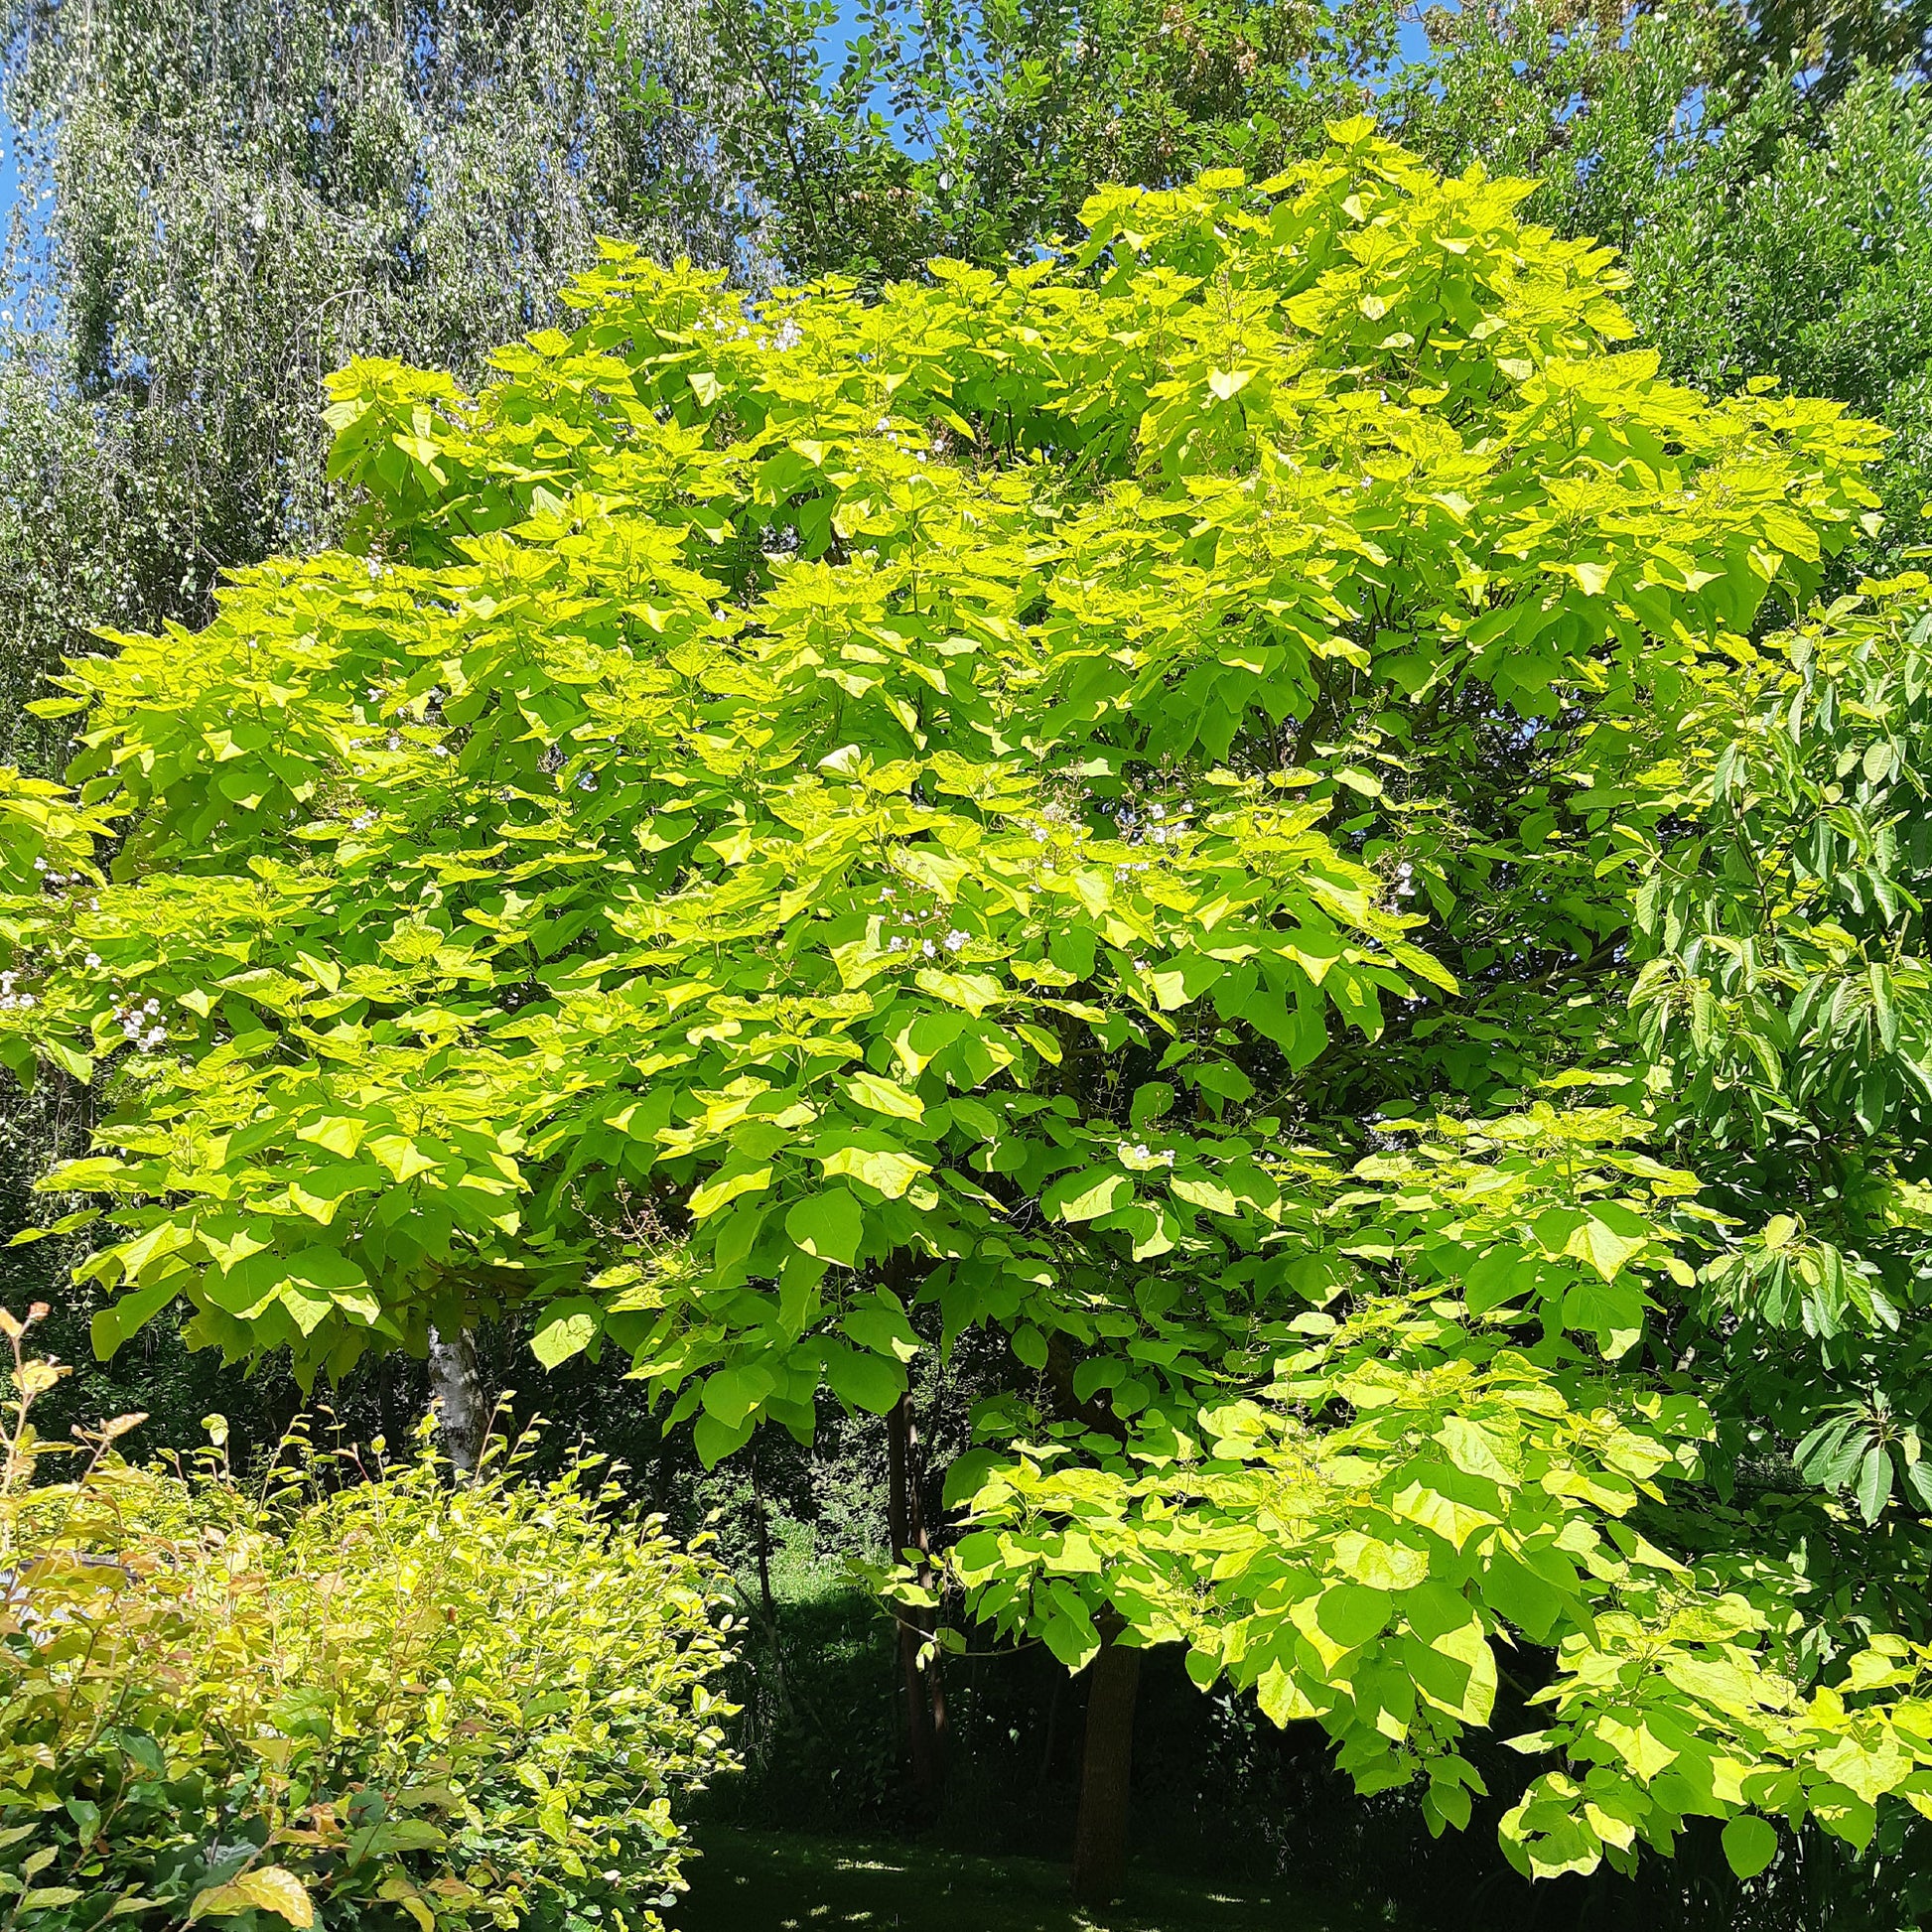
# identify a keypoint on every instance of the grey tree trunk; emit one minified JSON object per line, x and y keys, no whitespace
{"x":456,"y":1394}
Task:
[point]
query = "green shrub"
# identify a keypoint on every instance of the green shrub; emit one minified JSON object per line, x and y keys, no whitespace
{"x":363,"y":1702}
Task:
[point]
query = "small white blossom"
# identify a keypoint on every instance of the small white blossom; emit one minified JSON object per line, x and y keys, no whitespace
{"x":94,"y":962}
{"x":955,"y":940}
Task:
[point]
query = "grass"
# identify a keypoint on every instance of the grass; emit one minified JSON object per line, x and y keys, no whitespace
{"x":786,"y":1881}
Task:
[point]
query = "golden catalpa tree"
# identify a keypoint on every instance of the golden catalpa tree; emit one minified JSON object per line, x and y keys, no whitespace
{"x":1101,"y":805}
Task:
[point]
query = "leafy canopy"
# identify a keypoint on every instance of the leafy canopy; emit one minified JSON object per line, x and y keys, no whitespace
{"x":1073,"y":802}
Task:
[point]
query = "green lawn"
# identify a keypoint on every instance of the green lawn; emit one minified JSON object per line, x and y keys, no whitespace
{"x":784,"y":1881}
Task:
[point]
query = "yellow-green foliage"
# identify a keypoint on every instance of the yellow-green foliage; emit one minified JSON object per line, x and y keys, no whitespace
{"x":1417,"y":1493}
{"x":740,"y":741}
{"x":360,"y":1695}
{"x":793,"y":836}
{"x":43,"y":832}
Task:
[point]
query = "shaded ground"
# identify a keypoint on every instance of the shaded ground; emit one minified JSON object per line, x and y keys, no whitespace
{"x":786,"y":1881}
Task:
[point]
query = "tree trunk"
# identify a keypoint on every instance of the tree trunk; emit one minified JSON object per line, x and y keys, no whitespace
{"x":456,"y":1394}
{"x":926,"y":1699}
{"x":1106,"y":1771}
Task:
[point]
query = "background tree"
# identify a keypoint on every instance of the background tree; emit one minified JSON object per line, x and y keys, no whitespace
{"x":978,"y":132}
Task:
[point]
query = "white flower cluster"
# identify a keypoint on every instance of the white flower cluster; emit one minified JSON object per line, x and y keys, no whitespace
{"x":10,"y":1001}
{"x":1158,"y":828}
{"x":909,"y":940}
{"x":55,"y":878}
{"x":140,"y":1026}
{"x":1138,"y":1152}
{"x":952,"y":942}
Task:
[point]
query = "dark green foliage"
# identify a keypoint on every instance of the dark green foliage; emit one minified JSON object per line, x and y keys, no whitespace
{"x":1785,"y":1002}
{"x":1800,"y":245}
{"x":1829,"y":40}
{"x":976,"y":130}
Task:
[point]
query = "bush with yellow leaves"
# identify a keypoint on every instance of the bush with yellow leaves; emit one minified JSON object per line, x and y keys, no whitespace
{"x":357,"y":1692}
